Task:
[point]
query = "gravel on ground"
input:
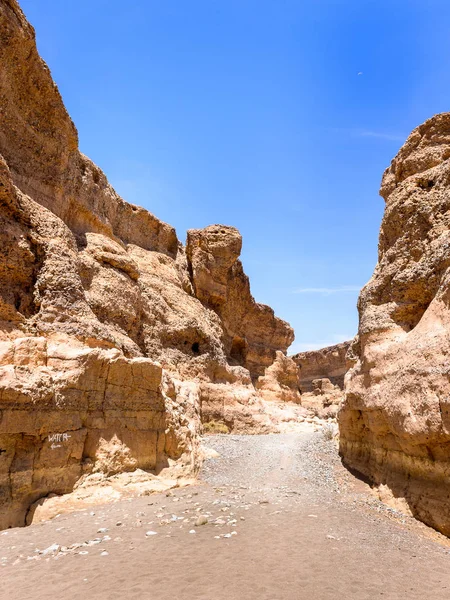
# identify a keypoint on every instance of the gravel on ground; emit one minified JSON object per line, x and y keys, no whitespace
{"x":274,"y":517}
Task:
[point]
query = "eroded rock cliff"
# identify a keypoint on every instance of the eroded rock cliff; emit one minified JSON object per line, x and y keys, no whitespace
{"x":114,"y":341}
{"x":253,"y":334}
{"x":395,"y":421}
{"x":327,"y":363}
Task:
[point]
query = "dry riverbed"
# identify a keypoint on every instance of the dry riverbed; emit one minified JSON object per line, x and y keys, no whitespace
{"x":275,"y":517}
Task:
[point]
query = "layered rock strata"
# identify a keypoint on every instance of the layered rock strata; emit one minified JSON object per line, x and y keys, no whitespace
{"x":327,"y":363}
{"x":114,"y":341}
{"x":395,"y":421}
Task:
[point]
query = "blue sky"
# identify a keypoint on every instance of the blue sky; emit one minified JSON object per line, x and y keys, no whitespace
{"x":253,"y":113}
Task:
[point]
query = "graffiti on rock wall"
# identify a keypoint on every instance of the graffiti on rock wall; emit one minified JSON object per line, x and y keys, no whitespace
{"x":55,"y":438}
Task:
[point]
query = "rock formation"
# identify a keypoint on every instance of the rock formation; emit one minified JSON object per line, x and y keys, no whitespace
{"x":395,"y":421}
{"x":326,"y":363}
{"x":115,"y":341}
{"x":253,"y":334}
{"x":280,"y":380}
{"x":321,"y":379}
{"x":324,"y":400}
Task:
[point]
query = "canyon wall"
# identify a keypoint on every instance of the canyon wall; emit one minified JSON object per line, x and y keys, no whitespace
{"x":395,"y":421}
{"x":321,"y":379}
{"x":115,"y":340}
{"x":326,"y":363}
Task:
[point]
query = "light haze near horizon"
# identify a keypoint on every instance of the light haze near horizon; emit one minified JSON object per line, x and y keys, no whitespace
{"x":277,"y":117}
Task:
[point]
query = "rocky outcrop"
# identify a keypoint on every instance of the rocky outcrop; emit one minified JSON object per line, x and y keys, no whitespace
{"x":253,"y":334}
{"x":327,"y":363}
{"x":395,"y":421}
{"x":69,"y":410}
{"x":280,"y":380}
{"x":324,"y":400}
{"x":113,"y":339}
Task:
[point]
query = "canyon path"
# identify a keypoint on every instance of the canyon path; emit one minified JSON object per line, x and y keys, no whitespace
{"x":274,"y":517}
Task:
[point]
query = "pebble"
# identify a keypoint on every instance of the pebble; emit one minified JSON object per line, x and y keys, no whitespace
{"x":201,"y":520}
{"x":148,"y":533}
{"x":50,"y":550}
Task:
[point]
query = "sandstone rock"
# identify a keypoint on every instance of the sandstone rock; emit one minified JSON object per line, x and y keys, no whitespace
{"x":395,"y":421}
{"x":253,"y":334}
{"x":85,"y":411}
{"x":327,"y":363}
{"x":113,"y":336}
{"x":324,"y":400}
{"x":280,"y":380}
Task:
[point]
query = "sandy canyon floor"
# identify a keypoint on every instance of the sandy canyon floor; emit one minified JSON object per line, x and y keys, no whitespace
{"x":274,"y":517}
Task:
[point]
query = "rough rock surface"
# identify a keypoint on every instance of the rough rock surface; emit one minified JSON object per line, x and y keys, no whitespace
{"x":112,"y":337}
{"x":324,"y":400}
{"x":395,"y":422}
{"x":327,"y":363}
{"x":280,"y":380}
{"x":253,"y":334}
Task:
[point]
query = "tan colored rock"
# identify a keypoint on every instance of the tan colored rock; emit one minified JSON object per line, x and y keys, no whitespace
{"x":324,"y":400}
{"x":253,"y":334}
{"x":112,"y":335}
{"x":327,"y":363}
{"x":39,"y":142}
{"x":97,"y":489}
{"x":280,"y":380}
{"x":81,"y":411}
{"x":395,"y":422}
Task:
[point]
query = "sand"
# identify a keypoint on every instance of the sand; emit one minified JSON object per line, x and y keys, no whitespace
{"x":284,"y":521}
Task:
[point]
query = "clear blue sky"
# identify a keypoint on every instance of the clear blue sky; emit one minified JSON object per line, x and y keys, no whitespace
{"x":252,"y":113}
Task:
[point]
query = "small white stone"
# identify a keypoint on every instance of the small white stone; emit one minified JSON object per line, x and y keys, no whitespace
{"x":148,"y":533}
{"x":50,"y":549}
